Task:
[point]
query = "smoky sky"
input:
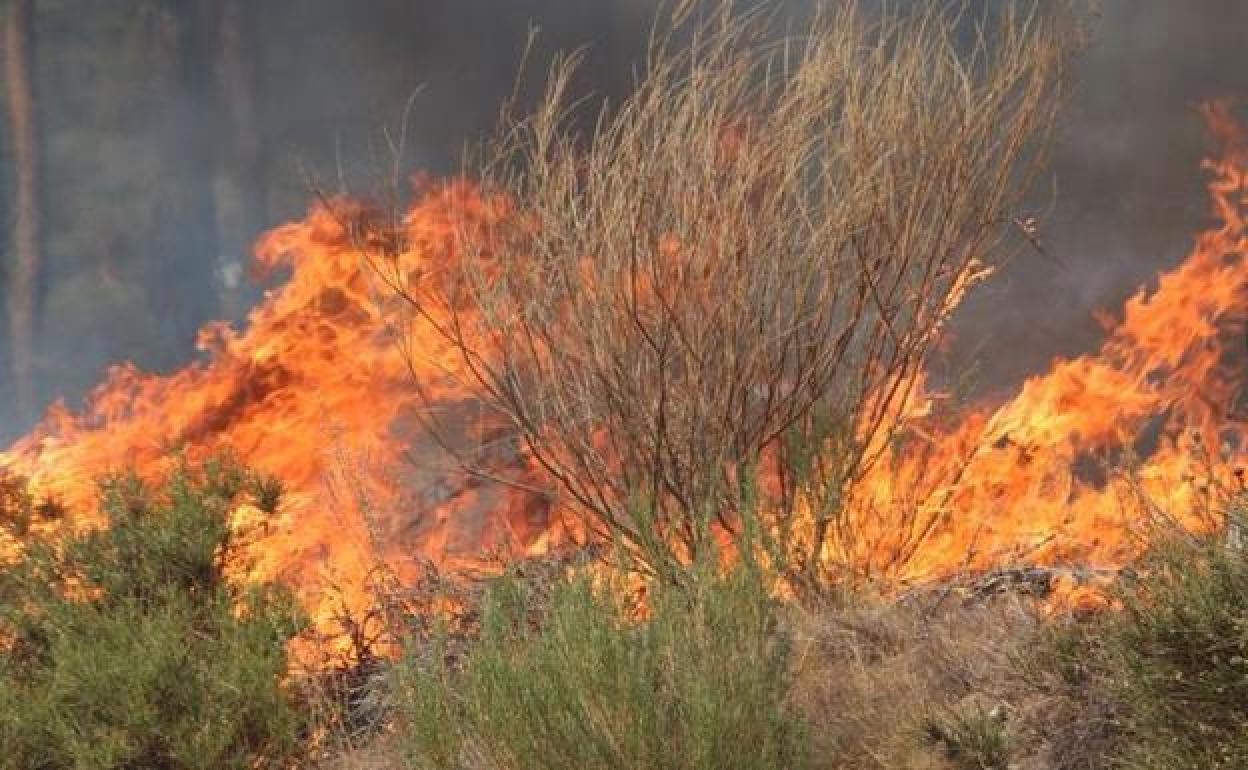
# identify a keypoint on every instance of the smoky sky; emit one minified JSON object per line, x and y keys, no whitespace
{"x":1124,"y":198}
{"x":1127,"y":193}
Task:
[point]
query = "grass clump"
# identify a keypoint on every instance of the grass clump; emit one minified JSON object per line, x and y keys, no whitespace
{"x":582,"y":683}
{"x":1170,"y":669}
{"x":973,"y":739}
{"x":127,"y":647}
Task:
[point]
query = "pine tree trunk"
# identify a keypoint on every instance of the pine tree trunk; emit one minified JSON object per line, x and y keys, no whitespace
{"x":26,"y":264}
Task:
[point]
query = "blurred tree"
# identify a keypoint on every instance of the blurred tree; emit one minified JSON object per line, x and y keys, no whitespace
{"x":26,"y":264}
{"x":171,"y":132}
{"x":185,"y":239}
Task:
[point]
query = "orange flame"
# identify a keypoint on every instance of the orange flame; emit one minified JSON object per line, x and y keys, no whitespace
{"x":1038,"y":478}
{"x":315,"y":392}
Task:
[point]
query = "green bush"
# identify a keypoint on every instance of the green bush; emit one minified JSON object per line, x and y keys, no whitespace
{"x":579,"y":683}
{"x":1173,"y":663}
{"x":127,"y":647}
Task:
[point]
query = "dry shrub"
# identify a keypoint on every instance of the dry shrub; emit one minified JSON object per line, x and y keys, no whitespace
{"x":719,"y":298}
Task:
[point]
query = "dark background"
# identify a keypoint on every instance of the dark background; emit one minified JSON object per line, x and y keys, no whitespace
{"x":172,"y":132}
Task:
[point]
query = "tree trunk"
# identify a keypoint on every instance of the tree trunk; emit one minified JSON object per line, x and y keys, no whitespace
{"x":27,"y":260}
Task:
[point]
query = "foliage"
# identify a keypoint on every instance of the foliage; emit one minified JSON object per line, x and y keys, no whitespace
{"x":1173,"y":662}
{"x":743,"y":263}
{"x":583,"y":683}
{"x":128,"y":647}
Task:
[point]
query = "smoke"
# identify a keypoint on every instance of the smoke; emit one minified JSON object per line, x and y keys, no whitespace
{"x":145,"y":220}
{"x":1127,"y":192}
{"x":463,"y":55}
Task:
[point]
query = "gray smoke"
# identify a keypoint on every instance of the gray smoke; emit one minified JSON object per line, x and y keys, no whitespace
{"x":1129,"y":192}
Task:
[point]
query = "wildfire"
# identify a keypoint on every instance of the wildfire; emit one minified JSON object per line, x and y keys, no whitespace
{"x":1069,"y":470}
{"x":315,"y":391}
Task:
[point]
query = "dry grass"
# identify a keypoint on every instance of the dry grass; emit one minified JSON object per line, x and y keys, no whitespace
{"x":893,"y":685}
{"x":377,"y":756}
{"x":740,"y":269}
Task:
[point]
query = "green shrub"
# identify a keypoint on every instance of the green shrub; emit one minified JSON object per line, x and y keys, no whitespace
{"x":1173,"y":663}
{"x":127,"y":647}
{"x":580,"y":684}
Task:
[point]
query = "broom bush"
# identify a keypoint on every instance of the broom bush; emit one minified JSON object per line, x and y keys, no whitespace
{"x":127,"y":647}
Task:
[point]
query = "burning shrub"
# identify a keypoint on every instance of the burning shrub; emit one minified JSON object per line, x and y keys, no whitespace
{"x":20,"y":510}
{"x":742,"y":266}
{"x":127,"y":647}
{"x":702,"y":683}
